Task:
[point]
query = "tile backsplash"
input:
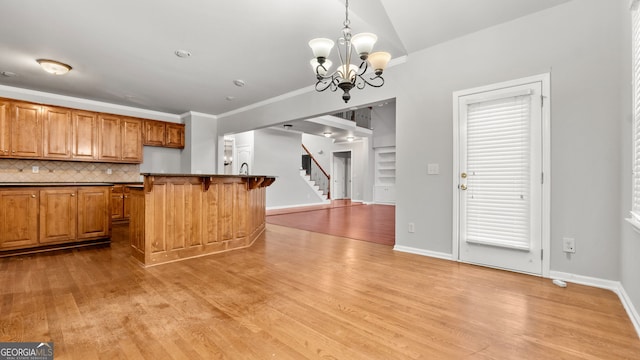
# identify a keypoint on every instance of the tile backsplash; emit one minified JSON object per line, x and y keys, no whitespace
{"x":12,"y":170}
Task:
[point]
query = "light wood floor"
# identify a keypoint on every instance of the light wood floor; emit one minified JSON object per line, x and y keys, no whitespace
{"x":302,"y":295}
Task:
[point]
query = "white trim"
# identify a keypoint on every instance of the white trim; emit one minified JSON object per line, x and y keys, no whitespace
{"x":297,"y":205}
{"x":614,"y":286}
{"x":545,"y":79}
{"x":634,"y":223}
{"x":433,"y":254}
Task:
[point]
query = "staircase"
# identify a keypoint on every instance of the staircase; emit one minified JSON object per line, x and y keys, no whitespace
{"x":313,"y":185}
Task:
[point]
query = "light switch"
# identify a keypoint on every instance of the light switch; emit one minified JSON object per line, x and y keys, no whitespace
{"x":433,"y":169}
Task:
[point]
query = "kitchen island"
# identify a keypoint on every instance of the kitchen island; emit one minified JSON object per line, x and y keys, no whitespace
{"x":181,"y":216}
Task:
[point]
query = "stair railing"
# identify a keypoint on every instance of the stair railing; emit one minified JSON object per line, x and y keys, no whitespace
{"x":324,"y":182}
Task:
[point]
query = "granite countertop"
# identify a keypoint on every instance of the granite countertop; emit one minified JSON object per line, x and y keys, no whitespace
{"x":50,"y":184}
{"x":206,"y":175}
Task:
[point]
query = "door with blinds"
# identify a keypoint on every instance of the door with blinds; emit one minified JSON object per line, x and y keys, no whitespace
{"x":500,"y":178}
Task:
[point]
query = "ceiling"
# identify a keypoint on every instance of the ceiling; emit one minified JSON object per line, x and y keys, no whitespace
{"x":122,"y":51}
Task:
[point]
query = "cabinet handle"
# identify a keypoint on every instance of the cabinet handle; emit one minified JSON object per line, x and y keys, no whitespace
{"x":121,"y":196}
{"x":73,"y":194}
{"x":126,"y":197}
{"x":33,"y":195}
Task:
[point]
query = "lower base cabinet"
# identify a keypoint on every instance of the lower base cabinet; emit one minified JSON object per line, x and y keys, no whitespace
{"x":33,"y":218}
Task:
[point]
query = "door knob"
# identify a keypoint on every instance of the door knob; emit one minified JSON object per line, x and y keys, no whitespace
{"x":463,"y":187}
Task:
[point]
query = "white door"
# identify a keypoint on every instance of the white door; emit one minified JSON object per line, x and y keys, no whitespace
{"x":338,"y":186}
{"x":341,"y":175}
{"x":500,"y":150}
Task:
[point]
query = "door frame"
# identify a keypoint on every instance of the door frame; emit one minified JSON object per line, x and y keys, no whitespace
{"x":333,"y":155}
{"x":545,"y":79}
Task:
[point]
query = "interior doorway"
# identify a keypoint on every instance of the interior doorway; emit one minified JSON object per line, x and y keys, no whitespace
{"x":341,"y":175}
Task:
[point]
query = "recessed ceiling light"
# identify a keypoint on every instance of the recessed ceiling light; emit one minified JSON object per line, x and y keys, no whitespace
{"x":230,"y":98}
{"x":350,"y":138}
{"x":287,"y":126}
{"x":239,"y":83}
{"x":182,"y":53}
{"x":54,"y":67}
{"x":8,"y":74}
{"x":327,"y":134}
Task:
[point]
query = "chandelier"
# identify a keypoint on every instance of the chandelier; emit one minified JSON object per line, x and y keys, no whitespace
{"x":348,"y":76}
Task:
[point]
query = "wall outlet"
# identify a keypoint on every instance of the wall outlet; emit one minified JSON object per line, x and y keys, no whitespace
{"x":35,"y":169}
{"x":569,"y":245}
{"x":412,"y":227}
{"x":109,"y":171}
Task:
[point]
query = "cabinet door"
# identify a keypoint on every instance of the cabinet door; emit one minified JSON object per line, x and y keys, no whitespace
{"x":58,"y":215}
{"x":175,"y":135}
{"x":93,"y":212}
{"x":154,"y":133}
{"x":117,"y":202}
{"x":57,"y":132}
{"x":85,"y":135}
{"x":126,"y":203}
{"x":26,"y":130}
{"x":18,"y":218}
{"x":110,"y":138}
{"x":5,"y":128}
{"x":132,"y":140}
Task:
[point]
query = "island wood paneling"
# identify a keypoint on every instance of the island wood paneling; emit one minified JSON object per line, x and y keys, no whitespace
{"x":178,"y":217}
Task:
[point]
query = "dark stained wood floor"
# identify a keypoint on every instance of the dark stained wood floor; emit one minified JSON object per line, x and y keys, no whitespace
{"x":302,"y":295}
{"x":373,"y":223}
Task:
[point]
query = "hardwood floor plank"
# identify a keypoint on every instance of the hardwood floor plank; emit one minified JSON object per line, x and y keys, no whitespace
{"x":301,"y":295}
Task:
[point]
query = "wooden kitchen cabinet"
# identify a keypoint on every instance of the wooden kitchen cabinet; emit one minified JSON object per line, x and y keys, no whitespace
{"x":131,"y":139}
{"x":26,"y":130}
{"x":18,"y":218}
{"x":58,"y":215}
{"x":57,"y":131}
{"x":154,"y":133}
{"x":109,"y":138}
{"x":163,"y":134}
{"x":120,"y":203}
{"x":93,"y":212}
{"x":174,"y":135}
{"x":5,"y":128}
{"x":39,"y":218}
{"x":85,"y":135}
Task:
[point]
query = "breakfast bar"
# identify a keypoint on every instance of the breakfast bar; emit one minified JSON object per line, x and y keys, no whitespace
{"x":181,"y":216}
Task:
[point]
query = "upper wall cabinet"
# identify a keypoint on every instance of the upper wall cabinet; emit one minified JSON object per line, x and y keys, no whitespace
{"x":26,"y":130}
{"x":36,"y":131}
{"x":84,"y":135}
{"x":120,"y":139}
{"x":164,"y":134}
{"x":57,"y":132}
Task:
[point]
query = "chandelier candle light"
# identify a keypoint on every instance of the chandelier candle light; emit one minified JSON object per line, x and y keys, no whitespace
{"x":348,"y":75}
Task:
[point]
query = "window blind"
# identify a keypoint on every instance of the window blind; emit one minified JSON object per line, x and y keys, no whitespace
{"x":635,"y":16}
{"x":498,"y":172}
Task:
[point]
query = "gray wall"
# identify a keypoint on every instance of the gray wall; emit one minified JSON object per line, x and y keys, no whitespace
{"x":630,"y":238}
{"x":579,"y":44}
{"x":277,"y":153}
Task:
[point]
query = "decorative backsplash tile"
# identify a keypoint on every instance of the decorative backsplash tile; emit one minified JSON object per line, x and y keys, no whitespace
{"x":12,"y":170}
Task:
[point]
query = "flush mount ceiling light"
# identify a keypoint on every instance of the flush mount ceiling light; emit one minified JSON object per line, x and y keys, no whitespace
{"x":54,"y":67}
{"x":350,"y":138}
{"x":348,"y":75}
{"x":327,"y":134}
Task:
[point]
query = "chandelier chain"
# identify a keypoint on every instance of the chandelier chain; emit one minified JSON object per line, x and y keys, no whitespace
{"x":346,"y":14}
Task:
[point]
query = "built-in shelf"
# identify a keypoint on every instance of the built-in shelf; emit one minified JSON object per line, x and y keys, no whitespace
{"x":385,"y":175}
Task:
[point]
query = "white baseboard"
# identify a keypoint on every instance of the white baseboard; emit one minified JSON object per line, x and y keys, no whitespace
{"x":433,"y":254}
{"x":297,"y":205}
{"x":614,"y":286}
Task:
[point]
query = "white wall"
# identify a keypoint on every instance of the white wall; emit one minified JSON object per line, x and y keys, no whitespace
{"x":361,"y":168}
{"x":321,"y":148}
{"x":277,"y":153}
